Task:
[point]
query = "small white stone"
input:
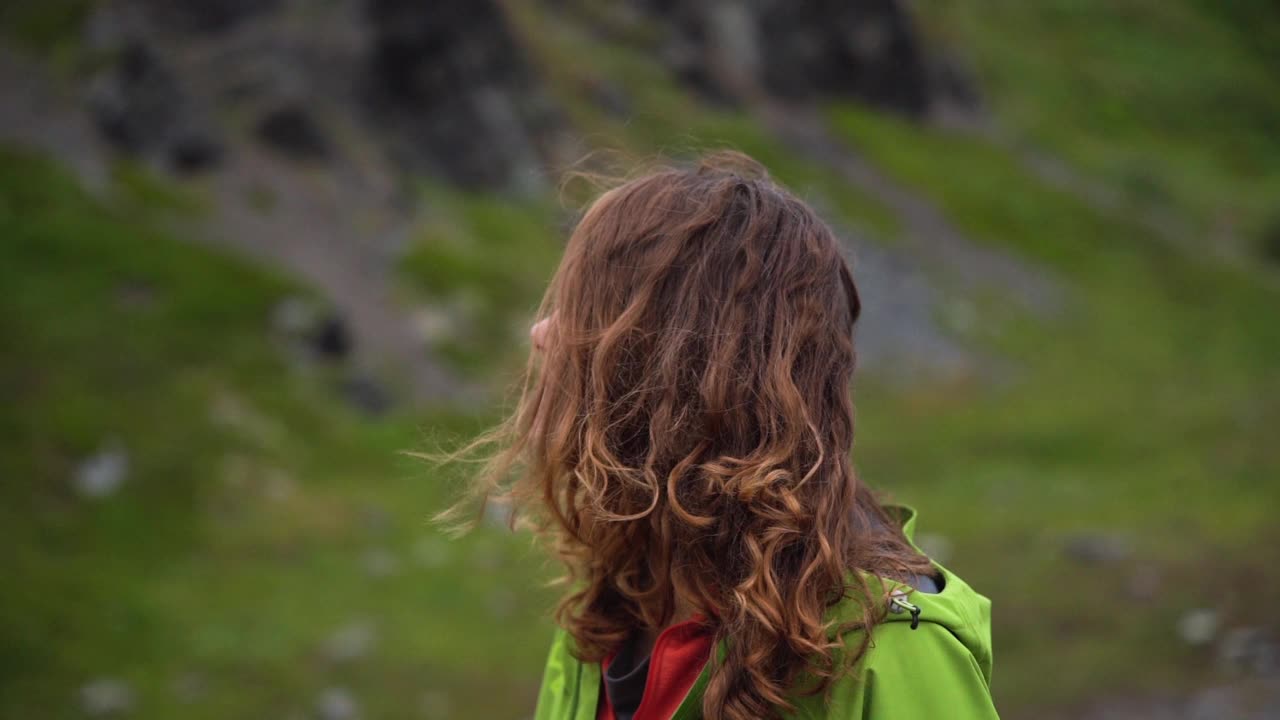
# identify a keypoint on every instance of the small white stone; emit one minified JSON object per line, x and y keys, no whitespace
{"x":433,"y":323}
{"x":1198,"y":627}
{"x":106,"y":696}
{"x":102,"y":473}
{"x":351,"y":642}
{"x":337,"y":703}
{"x":294,"y":316}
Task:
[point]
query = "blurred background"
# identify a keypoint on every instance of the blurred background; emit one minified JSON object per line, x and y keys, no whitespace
{"x":251,"y":250}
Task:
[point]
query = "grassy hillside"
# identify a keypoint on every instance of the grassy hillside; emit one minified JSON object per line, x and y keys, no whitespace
{"x":1171,"y":104}
{"x":269,"y":548}
{"x":266,"y":544}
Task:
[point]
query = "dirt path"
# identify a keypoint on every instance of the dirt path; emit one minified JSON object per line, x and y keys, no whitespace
{"x":932,"y":267}
{"x":928,"y":233}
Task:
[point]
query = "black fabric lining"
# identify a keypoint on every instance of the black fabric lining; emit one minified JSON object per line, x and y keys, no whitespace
{"x":625,"y":679}
{"x":928,"y":584}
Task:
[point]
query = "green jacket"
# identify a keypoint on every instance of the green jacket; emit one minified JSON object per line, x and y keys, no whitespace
{"x":941,"y":669}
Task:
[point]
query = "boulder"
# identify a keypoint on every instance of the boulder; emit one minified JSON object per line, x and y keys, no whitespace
{"x":139,"y":107}
{"x":292,"y":131}
{"x":870,"y":50}
{"x":135,"y":102}
{"x":206,"y":16}
{"x":450,"y":81}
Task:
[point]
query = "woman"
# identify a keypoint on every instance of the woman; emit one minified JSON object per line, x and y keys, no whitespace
{"x":683,"y":438}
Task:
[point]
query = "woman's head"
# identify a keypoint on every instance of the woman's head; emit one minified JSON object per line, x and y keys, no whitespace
{"x":685,"y":427}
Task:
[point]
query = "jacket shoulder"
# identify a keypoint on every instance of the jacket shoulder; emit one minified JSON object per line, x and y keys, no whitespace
{"x":570,"y":688}
{"x":905,"y":673}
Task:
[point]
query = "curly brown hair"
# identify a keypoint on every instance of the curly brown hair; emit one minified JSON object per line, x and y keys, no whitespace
{"x":685,"y":436}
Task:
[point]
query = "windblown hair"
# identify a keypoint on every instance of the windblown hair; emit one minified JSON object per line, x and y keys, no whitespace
{"x":684,"y":439}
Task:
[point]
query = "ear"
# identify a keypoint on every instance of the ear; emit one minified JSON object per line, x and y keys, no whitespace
{"x":539,"y":333}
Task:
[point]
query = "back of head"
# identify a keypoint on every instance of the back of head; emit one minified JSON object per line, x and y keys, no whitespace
{"x":684,"y":437}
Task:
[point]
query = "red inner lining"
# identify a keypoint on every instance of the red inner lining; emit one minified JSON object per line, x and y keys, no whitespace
{"x":678,"y":656}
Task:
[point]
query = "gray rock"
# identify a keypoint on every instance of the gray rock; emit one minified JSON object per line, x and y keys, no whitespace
{"x":106,"y":696}
{"x":337,"y":703}
{"x":351,"y":642}
{"x":459,"y":55}
{"x":194,"y":151}
{"x":312,"y":333}
{"x":1097,"y":548}
{"x":433,"y":323}
{"x":330,"y":338}
{"x":868,"y":49}
{"x":136,"y":103}
{"x":380,"y":563}
{"x":139,"y":106}
{"x":294,"y":316}
{"x":608,"y":97}
{"x":1199,"y":626}
{"x":733,"y":47}
{"x":292,"y":131}
{"x":1249,"y":649}
{"x":366,"y":395}
{"x":102,"y":474}
{"x":956,"y":92}
{"x":111,"y":26}
{"x":1215,"y":703}
{"x":207,"y":16}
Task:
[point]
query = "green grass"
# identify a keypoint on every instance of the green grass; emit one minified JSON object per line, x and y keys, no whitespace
{"x":237,"y":544}
{"x":1173,"y":103}
{"x":485,"y":260}
{"x":45,"y":25}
